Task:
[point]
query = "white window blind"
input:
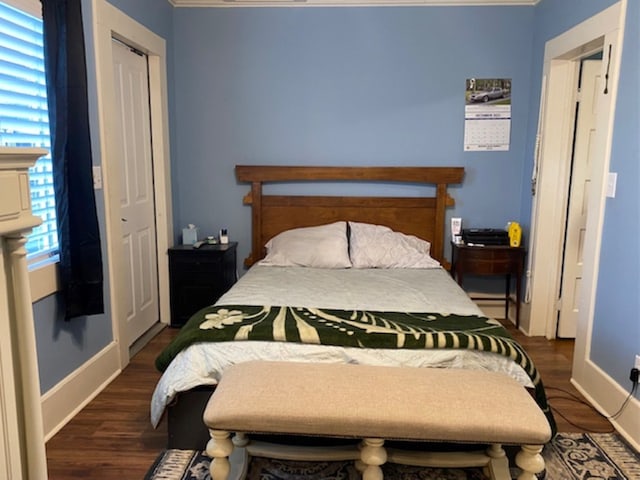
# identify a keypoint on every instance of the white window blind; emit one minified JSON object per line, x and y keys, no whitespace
{"x":24,"y":120}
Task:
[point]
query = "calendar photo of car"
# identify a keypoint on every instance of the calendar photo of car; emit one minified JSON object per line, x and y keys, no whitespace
{"x":485,"y":90}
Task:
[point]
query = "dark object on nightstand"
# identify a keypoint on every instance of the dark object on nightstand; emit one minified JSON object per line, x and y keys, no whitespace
{"x":485,"y":236}
{"x":490,"y":260}
{"x":198,"y":277}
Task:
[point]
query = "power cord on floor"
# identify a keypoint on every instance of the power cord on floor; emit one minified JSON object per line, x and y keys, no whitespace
{"x":582,"y":428}
{"x":575,"y":398}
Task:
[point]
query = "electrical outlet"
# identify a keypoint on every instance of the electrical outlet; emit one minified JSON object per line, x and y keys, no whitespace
{"x":635,"y":371}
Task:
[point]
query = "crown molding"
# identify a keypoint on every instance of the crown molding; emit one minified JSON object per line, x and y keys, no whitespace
{"x":346,"y":3}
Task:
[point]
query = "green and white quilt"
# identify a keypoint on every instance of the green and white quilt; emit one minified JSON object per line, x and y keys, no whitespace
{"x":353,"y":328}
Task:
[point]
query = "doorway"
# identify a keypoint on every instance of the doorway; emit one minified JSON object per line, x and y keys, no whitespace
{"x":563,"y":57}
{"x":563,"y":54}
{"x":112,"y":24}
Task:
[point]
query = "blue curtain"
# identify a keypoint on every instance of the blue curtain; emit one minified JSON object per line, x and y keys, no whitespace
{"x":78,"y":230}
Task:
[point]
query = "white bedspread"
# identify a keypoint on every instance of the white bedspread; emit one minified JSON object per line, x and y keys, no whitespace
{"x":411,"y":290}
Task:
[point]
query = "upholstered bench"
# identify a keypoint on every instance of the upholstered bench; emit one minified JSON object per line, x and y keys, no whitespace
{"x":374,"y":404}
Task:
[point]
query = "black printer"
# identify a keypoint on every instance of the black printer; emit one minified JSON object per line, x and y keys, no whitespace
{"x":485,"y":236}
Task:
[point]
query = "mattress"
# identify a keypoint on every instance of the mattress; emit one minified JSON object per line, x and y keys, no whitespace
{"x":411,"y":290}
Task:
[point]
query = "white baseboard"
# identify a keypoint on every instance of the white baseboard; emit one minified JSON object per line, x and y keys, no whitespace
{"x":61,"y":403}
{"x":607,"y":397}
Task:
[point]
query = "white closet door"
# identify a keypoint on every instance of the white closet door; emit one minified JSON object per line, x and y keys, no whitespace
{"x":136,"y":190}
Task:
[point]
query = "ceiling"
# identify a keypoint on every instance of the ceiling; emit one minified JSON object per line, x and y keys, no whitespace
{"x":343,"y":3}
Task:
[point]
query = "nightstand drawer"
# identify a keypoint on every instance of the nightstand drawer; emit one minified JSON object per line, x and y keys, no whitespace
{"x":486,"y":261}
{"x":198,"y":277}
{"x":186,"y":263}
{"x":192,"y":298}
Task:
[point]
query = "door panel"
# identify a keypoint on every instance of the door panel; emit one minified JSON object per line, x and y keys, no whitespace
{"x":578,"y":199}
{"x":127,"y":254}
{"x":145,"y":247}
{"x":137,"y":207}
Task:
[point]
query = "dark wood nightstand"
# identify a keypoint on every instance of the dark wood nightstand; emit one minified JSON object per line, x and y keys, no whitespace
{"x":490,"y":260}
{"x":198,"y":277}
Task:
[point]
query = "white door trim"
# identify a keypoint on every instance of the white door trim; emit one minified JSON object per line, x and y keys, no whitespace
{"x":601,"y":30}
{"x":108,"y":23}
{"x":561,"y":63}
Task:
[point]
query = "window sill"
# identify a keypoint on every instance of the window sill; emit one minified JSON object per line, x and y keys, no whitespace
{"x":43,"y":281}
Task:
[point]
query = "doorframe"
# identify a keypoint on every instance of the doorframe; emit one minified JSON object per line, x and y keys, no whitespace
{"x":560,"y":72}
{"x":109,"y":22}
{"x":561,"y":53}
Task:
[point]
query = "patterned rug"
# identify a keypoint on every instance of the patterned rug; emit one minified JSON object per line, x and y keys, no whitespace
{"x":570,"y":456}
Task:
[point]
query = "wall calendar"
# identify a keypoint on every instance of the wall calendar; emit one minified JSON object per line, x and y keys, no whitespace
{"x":487,"y":118}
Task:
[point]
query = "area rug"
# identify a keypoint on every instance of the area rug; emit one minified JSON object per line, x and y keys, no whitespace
{"x":570,"y":456}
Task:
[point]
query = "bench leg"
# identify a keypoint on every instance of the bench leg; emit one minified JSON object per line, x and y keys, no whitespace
{"x":240,"y":439}
{"x":530,"y":461}
{"x":219,"y":448}
{"x":358,"y":463}
{"x":372,"y":455}
{"x":498,"y":466}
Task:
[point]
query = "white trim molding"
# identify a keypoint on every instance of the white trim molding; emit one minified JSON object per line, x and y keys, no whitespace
{"x":44,"y":281}
{"x":61,"y":403}
{"x":32,"y":7}
{"x":349,"y":3}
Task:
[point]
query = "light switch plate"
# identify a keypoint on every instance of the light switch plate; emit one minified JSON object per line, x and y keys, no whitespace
{"x":97,"y":178}
{"x":612,"y":180}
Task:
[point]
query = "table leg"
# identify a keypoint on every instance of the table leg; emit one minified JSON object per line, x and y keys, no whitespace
{"x":518,"y":297}
{"x":507,"y":295}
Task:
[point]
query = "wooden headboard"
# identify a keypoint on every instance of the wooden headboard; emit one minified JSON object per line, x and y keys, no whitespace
{"x":423,"y":217}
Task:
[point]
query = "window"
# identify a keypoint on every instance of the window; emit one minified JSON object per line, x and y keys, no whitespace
{"x":24,"y":120}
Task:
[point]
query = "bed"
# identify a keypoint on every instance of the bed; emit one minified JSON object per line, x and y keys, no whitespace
{"x":378,"y":293}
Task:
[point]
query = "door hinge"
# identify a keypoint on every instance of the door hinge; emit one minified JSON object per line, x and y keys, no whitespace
{"x":559,"y":304}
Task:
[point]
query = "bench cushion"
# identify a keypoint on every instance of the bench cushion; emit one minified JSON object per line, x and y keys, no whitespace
{"x":359,"y":401}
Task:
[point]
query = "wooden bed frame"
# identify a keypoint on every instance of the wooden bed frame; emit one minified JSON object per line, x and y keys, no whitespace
{"x":423,"y":217}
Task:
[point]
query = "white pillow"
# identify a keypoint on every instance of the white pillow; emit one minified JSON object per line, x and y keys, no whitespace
{"x":325,"y":246}
{"x":377,"y":246}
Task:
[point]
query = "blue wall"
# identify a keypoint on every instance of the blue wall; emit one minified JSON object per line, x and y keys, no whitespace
{"x":156,"y":15}
{"x":336,"y":86}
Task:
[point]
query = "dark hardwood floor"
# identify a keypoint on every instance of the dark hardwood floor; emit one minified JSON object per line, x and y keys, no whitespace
{"x":112,"y":438}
